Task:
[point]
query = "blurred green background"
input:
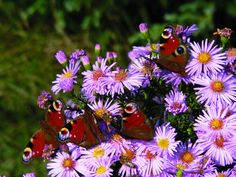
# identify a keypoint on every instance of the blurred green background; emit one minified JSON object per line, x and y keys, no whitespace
{"x":31,"y":31}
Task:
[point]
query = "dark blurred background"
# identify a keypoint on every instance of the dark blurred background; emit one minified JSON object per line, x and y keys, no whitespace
{"x":31,"y":31}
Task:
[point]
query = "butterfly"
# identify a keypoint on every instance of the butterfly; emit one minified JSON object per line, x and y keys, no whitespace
{"x":46,"y":136}
{"x":83,"y":131}
{"x":173,"y":54}
{"x":134,"y":123}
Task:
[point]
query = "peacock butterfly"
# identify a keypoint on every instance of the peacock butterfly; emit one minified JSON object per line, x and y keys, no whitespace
{"x":173,"y":54}
{"x":46,"y":136}
{"x":135,"y":123}
{"x":83,"y":131}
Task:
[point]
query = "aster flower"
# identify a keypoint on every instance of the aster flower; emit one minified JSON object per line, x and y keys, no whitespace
{"x":219,"y":174}
{"x":216,"y":88}
{"x":64,"y":164}
{"x":61,"y":57}
{"x":175,"y":102}
{"x":92,"y":78}
{"x":43,"y":99}
{"x":165,"y":140}
{"x":144,"y":66}
{"x":99,"y":168}
{"x":206,"y":59}
{"x":203,"y":167}
{"x":102,"y":109}
{"x":215,"y":122}
{"x":77,"y":54}
{"x":121,"y":79}
{"x":149,"y":163}
{"x":101,"y":151}
{"x":66,"y":80}
{"x":29,"y":175}
{"x":119,"y":144}
{"x":218,"y":150}
{"x":187,"y":157}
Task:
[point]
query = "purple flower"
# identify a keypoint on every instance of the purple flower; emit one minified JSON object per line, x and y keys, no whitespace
{"x":175,"y":102}
{"x":61,"y":57}
{"x":149,"y":163}
{"x":97,"y":167}
{"x":64,"y":164}
{"x":143,"y":27}
{"x":92,"y":78}
{"x":216,"y":88}
{"x":121,"y":79}
{"x":43,"y":99}
{"x":77,"y":54}
{"x":165,"y":142}
{"x":215,"y":122}
{"x":220,"y":174}
{"x":206,"y":59}
{"x":66,"y":80}
{"x":144,"y":66}
{"x":187,"y":156}
{"x":219,"y":150}
{"x":108,"y":108}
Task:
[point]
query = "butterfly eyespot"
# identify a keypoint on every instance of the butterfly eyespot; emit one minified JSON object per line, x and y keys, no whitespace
{"x":57,"y":105}
{"x":27,"y":154}
{"x":166,"y":34}
{"x":64,"y":134}
{"x":181,"y":50}
{"x":130,"y":108}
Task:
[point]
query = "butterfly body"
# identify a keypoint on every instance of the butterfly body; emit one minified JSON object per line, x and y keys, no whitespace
{"x":82,"y":131}
{"x":47,"y":134}
{"x":173,"y":54}
{"x":136,"y":124}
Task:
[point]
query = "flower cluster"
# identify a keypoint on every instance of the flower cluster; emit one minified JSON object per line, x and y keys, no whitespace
{"x":180,"y":123}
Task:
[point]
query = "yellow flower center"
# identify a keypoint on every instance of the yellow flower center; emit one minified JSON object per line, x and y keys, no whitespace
{"x":67,"y":75}
{"x":100,"y":170}
{"x":68,"y":163}
{"x":220,"y":175}
{"x":216,"y":124}
{"x":204,"y":57}
{"x":121,"y":75}
{"x":217,"y":86}
{"x":163,"y":143}
{"x":187,"y":157}
{"x":98,"y":152}
{"x":97,"y":74}
{"x":100,"y":112}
